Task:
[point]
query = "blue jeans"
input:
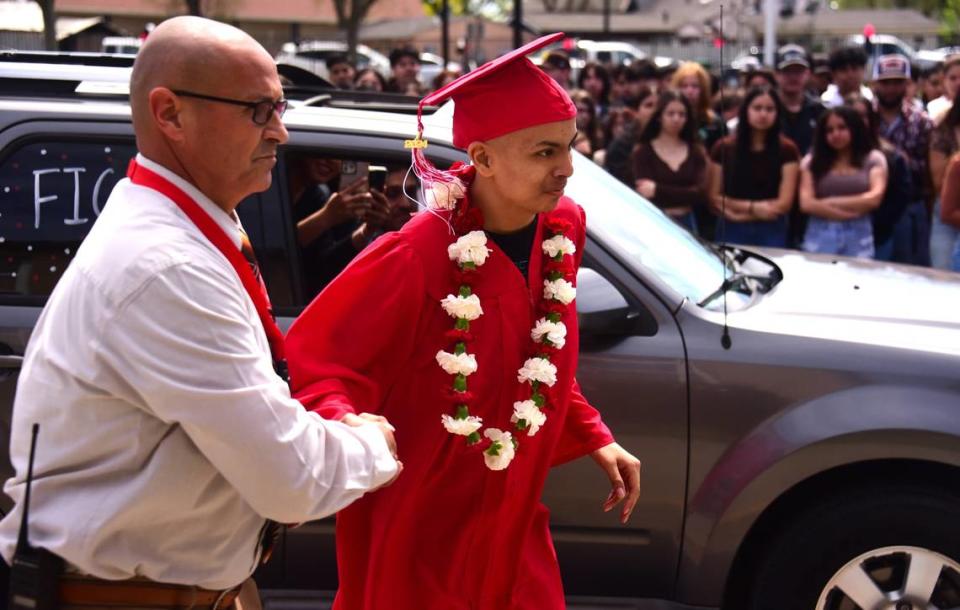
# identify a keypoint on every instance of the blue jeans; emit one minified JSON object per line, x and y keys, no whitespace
{"x":944,"y":241}
{"x":772,"y":233}
{"x":911,"y":236}
{"x":841,"y":237}
{"x":956,"y":257}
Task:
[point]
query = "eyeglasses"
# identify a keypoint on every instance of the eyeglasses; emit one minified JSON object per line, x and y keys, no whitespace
{"x":262,"y":110}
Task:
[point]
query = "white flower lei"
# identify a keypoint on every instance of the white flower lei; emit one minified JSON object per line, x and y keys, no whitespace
{"x":469,"y":252}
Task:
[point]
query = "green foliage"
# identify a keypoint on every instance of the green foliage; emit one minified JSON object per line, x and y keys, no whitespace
{"x":491,"y":9}
{"x":950,"y":19}
{"x":927,"y":7}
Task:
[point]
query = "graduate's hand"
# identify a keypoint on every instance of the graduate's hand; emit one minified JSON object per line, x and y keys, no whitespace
{"x":624,"y":472}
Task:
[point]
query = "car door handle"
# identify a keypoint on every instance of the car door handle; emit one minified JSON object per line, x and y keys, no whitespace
{"x":11,"y":361}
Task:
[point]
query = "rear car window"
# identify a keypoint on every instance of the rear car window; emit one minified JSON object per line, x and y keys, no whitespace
{"x":50,"y":195}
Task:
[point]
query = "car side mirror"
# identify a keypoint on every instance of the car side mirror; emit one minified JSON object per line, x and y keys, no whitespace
{"x":602,"y":311}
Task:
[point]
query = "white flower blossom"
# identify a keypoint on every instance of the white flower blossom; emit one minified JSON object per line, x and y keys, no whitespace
{"x":505,"y":452}
{"x":528,"y":411}
{"x":555,"y":332}
{"x":561,"y":290}
{"x":457,"y":364}
{"x":458,"y":306}
{"x":558,"y":244}
{"x":538,"y":369}
{"x":463,"y":427}
{"x":444,"y":195}
{"x":470,"y":248}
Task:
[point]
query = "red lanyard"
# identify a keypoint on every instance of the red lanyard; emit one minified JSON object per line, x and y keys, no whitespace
{"x":142,"y":176}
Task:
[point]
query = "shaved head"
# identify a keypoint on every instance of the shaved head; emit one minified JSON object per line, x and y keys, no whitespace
{"x":193,"y":90}
{"x":185,"y":51}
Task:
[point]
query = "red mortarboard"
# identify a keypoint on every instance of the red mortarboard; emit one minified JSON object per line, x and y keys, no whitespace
{"x":504,"y":95}
{"x":500,"y":97}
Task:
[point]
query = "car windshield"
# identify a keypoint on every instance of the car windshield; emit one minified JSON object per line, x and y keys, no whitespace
{"x":644,"y":233}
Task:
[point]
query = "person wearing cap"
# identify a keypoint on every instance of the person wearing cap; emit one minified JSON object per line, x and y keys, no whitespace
{"x":846,"y":69}
{"x":557,"y":66}
{"x":800,"y":109}
{"x":908,"y":130}
{"x":820,"y":77}
{"x":461,"y":328}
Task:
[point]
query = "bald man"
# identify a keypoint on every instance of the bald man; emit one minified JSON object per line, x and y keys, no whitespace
{"x":168,"y":444}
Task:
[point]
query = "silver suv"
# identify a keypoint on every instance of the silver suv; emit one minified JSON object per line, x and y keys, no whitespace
{"x":798,"y":416}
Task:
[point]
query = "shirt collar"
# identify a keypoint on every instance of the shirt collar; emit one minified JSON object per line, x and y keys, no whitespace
{"x":230,"y":224}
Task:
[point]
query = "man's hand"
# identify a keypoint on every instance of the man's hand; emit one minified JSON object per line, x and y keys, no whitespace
{"x":624,"y":472}
{"x":377,"y":212}
{"x":363,"y":419}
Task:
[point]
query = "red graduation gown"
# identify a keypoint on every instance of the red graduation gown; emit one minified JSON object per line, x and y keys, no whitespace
{"x":449,"y":533}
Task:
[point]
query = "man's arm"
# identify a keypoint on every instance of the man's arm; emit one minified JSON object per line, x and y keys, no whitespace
{"x":193,"y":355}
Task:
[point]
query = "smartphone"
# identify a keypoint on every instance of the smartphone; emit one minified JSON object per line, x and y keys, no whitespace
{"x":377,"y":177}
{"x":352,"y":172}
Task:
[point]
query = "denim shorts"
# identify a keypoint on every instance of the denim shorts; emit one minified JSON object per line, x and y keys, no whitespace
{"x":841,"y":237}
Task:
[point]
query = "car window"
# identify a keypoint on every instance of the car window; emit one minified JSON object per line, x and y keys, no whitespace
{"x":50,"y":195}
{"x":643,"y":233}
{"x":265,"y":221}
{"x":333,"y":216}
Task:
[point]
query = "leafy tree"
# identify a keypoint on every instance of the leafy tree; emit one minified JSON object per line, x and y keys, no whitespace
{"x":350,"y":14}
{"x":492,"y":9}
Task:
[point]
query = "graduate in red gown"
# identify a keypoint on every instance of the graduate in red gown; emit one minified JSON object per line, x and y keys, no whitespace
{"x":461,"y":330}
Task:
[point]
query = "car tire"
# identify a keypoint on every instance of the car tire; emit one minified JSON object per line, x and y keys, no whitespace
{"x":877,"y":533}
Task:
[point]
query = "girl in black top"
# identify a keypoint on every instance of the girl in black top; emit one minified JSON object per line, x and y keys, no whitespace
{"x":754,"y":173}
{"x":669,"y":163}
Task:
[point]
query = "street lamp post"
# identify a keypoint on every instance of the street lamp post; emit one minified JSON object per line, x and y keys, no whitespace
{"x":445,"y":32}
{"x":517,"y":24}
{"x":771,"y":9}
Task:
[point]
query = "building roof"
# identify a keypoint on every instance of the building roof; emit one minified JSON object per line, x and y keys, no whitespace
{"x":287,"y":11}
{"x":27,"y":17}
{"x":902,"y":22}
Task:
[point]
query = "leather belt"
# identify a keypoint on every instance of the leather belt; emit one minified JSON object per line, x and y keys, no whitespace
{"x":87,"y":591}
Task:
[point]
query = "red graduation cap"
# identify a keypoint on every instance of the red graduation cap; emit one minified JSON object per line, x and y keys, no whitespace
{"x":501,"y":96}
{"x":504,"y":95}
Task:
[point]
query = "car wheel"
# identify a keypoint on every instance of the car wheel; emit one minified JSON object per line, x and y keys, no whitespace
{"x":892,"y":549}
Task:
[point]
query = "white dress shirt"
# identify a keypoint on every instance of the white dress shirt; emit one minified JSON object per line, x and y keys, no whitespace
{"x":166,"y":438}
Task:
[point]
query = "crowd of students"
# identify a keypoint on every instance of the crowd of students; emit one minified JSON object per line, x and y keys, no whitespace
{"x":810,"y":154}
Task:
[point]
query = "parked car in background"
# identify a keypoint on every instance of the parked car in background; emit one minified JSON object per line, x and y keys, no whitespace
{"x":121,"y":44}
{"x":431,"y":65}
{"x":312,"y":55}
{"x":798,"y":415}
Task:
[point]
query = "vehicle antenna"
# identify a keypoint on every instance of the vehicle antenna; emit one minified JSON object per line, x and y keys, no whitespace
{"x":725,"y":340}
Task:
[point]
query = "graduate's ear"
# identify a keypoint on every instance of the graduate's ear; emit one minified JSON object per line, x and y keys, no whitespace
{"x":481,"y":155}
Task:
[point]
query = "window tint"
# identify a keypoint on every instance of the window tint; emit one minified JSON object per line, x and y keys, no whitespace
{"x":50,"y":195}
{"x":265,"y":220}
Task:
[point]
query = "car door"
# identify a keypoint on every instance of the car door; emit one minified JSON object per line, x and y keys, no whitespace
{"x":633,"y":369}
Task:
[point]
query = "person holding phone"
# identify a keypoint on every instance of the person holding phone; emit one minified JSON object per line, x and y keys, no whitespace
{"x":338,"y":214}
